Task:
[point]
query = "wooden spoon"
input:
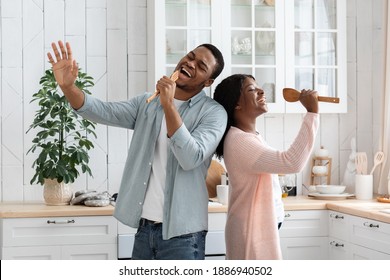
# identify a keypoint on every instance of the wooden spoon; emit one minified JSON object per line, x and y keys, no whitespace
{"x":361,"y":163}
{"x":292,"y":95}
{"x":379,"y":158}
{"x":173,"y":77}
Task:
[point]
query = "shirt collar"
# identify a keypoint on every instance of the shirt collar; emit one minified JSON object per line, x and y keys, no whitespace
{"x":193,"y":100}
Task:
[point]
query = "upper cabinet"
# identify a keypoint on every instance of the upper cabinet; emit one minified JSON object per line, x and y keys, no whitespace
{"x":317,"y":56}
{"x":299,"y":44}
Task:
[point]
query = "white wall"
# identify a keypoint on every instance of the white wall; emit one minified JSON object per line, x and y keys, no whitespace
{"x":109,"y":42}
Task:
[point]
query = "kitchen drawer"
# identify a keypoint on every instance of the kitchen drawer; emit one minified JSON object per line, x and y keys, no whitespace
{"x":68,"y":252}
{"x":338,"y":225}
{"x":370,"y":234}
{"x":58,"y":231}
{"x":304,"y":248}
{"x":307,"y":223}
{"x":363,"y":253}
{"x":339,"y":249}
{"x":31,"y":253}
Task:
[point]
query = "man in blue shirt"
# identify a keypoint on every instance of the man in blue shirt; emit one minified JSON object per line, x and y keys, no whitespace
{"x":163,"y":191}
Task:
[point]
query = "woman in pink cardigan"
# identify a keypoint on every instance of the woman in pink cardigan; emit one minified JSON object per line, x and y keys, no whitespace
{"x":251,"y":227}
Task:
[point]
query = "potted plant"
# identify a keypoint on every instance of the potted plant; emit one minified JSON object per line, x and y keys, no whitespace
{"x":61,"y":139}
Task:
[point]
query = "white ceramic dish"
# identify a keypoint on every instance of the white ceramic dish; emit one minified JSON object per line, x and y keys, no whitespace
{"x":319,"y":169}
{"x":330,"y":189}
{"x":331,"y":196}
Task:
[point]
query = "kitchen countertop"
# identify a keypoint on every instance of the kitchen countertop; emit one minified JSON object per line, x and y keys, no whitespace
{"x":38,"y":210}
{"x":363,"y":208}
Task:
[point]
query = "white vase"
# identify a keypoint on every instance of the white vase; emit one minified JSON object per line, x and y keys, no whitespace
{"x":56,"y":193}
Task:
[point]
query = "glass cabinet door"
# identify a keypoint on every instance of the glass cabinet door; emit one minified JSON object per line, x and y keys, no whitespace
{"x":188,"y":24}
{"x":296,"y":43}
{"x":317,"y":57}
{"x":256,"y":38}
{"x":182,"y":25}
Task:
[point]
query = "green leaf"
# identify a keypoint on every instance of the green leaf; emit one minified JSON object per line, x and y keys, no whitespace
{"x":61,"y":134}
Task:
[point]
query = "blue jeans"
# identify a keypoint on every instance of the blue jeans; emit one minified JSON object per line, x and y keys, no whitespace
{"x":149,"y":245}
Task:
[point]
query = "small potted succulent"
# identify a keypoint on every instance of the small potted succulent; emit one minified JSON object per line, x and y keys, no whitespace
{"x":61,"y":139}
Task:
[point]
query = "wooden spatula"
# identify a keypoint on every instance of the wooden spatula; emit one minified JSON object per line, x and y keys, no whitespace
{"x":173,"y":77}
{"x":292,"y":95}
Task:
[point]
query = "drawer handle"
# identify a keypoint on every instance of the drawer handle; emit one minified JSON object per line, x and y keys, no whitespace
{"x":367,"y":224}
{"x":287,"y":215}
{"x":61,"y":222}
{"x":335,"y":216}
{"x":336,"y":244}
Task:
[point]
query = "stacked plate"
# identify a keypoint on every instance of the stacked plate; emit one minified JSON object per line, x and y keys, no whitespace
{"x":332,"y":192}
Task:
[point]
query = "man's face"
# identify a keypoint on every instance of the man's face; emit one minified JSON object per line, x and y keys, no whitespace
{"x":195,"y":70}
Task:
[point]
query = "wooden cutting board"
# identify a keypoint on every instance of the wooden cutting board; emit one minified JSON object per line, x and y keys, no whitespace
{"x":214,"y":177}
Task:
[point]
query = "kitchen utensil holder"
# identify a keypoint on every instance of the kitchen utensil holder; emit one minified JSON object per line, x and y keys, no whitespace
{"x":317,"y":179}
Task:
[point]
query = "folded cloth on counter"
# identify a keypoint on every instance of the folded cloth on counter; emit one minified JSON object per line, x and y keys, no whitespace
{"x":91,"y":198}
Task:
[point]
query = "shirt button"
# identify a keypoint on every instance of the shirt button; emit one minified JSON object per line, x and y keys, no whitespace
{"x":140,"y":203}
{"x":150,"y":163}
{"x":144,"y":183}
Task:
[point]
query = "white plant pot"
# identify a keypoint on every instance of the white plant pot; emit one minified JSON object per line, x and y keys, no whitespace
{"x":56,"y":193}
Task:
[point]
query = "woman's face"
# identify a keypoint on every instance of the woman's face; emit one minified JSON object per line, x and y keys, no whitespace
{"x":252,"y":100}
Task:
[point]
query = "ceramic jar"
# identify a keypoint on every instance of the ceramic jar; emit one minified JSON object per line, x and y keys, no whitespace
{"x":323,"y":153}
{"x":319,"y":170}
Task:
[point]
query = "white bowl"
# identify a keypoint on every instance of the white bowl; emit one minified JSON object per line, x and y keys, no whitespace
{"x":330,"y":189}
{"x":320,"y":169}
{"x":322,"y":153}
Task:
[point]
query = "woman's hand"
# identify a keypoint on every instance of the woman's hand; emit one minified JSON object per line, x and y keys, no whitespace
{"x":309,"y":100}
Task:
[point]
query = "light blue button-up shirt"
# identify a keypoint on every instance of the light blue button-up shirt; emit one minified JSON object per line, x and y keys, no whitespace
{"x":190,"y":152}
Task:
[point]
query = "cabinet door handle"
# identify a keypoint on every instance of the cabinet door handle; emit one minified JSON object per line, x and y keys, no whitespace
{"x":336,"y":244}
{"x":336,"y":216}
{"x":371,"y":225}
{"x":60,"y":221}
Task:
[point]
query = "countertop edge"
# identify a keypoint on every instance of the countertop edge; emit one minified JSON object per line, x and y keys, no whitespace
{"x":40,"y":210}
{"x":369,"y":209}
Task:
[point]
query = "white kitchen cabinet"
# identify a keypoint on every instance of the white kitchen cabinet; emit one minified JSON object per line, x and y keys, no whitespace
{"x":354,"y":238}
{"x":176,"y":27}
{"x":299,"y":44}
{"x":215,"y":238}
{"x":372,"y":235}
{"x":316,"y":50}
{"x":304,"y":235}
{"x":339,"y":246}
{"x":89,"y":237}
{"x":364,"y":253}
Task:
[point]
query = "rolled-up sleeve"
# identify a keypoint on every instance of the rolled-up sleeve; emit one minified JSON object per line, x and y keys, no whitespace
{"x":120,"y":114}
{"x":192,"y":148}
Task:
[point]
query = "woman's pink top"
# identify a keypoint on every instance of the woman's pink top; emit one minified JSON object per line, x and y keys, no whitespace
{"x":251,"y":227}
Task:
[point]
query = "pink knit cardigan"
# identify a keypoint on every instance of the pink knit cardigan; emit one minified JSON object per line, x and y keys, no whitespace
{"x":251,"y":228}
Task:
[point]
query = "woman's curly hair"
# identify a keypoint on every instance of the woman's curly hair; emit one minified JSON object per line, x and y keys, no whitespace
{"x":227,"y":93}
